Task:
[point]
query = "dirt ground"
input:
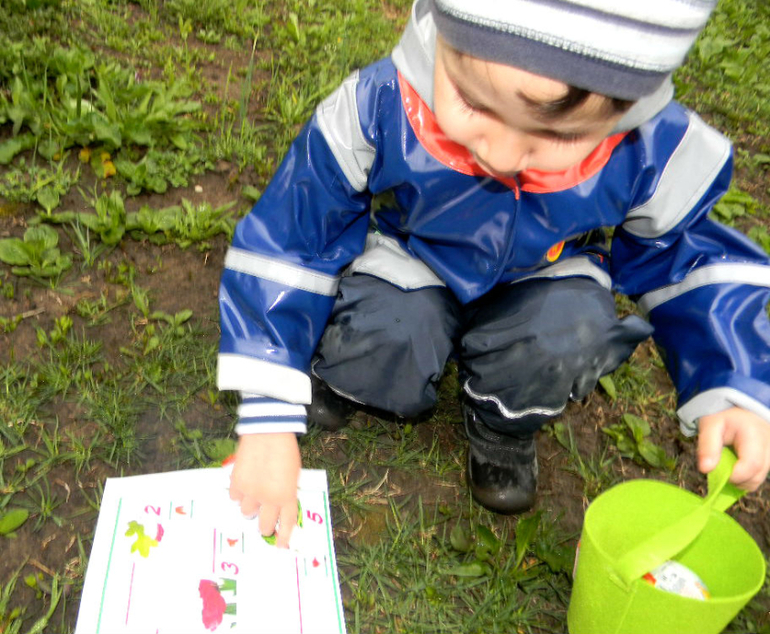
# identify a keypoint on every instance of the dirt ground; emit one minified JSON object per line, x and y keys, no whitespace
{"x":189,"y":279}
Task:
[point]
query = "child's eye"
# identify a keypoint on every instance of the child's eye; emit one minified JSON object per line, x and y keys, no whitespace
{"x":468,"y":106}
{"x":566,"y":139}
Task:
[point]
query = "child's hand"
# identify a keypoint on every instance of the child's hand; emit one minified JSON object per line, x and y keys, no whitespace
{"x":747,"y":433}
{"x":264,"y":480}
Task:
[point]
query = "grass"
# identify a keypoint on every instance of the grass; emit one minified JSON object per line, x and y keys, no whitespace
{"x":112,"y":115}
{"x":482,"y":587}
{"x":730,"y":58}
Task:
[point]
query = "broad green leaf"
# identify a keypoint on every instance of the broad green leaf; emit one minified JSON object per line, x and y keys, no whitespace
{"x":626,"y":447}
{"x":109,"y":132}
{"x":62,"y":217}
{"x":460,"y":538}
{"x":89,"y":220}
{"x":49,"y":148}
{"x":152,"y":344}
{"x":17,"y":114}
{"x":12,"y":520}
{"x":42,"y":235}
{"x":167,"y":217}
{"x":180,"y":141}
{"x":481,"y":552}
{"x":608,"y":385}
{"x":10,"y":148}
{"x":652,"y":453}
{"x":112,"y":235}
{"x":251,"y":192}
{"x":487,"y":539}
{"x":128,"y":169}
{"x":48,"y":198}
{"x":137,"y":134}
{"x":14,"y":252}
{"x":156,"y":184}
{"x":557,"y":558}
{"x":51,"y":270}
{"x":183,"y":316}
{"x":64,"y":262}
{"x":639,"y":427}
{"x":616,"y":432}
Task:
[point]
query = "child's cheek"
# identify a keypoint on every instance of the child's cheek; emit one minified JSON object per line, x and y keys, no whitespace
{"x":453,"y":124}
{"x":445,"y":108}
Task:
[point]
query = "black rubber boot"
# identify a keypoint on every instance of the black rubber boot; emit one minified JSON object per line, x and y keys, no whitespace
{"x":329,"y":410}
{"x":502,"y":470}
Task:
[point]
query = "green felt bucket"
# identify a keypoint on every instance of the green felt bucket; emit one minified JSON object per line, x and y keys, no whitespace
{"x":634,"y":527}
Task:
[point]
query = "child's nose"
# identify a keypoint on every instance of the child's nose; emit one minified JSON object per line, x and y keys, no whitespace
{"x":505,"y":154}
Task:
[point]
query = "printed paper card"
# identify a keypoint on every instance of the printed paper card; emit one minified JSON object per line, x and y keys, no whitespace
{"x":173,"y":554}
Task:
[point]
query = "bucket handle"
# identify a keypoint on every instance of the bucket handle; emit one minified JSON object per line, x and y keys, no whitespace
{"x":675,"y":537}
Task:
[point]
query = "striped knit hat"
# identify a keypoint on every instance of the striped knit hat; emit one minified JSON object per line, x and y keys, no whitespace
{"x":619,"y":48}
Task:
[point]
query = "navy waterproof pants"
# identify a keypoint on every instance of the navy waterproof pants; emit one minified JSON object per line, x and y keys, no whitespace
{"x":523,"y":350}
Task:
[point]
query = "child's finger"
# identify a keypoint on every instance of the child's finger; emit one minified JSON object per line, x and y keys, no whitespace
{"x":268,"y":516}
{"x":747,"y":475}
{"x":751,"y":469}
{"x":710,"y":443}
{"x":236,"y":494}
{"x":249,"y":505}
{"x":288,"y":521}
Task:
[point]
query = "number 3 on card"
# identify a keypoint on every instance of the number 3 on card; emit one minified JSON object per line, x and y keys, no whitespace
{"x":228,"y":567}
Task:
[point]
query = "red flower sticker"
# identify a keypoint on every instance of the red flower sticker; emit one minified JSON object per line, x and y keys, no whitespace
{"x":214,"y":604}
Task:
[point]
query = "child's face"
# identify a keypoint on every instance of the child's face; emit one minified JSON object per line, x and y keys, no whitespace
{"x":492,"y":110}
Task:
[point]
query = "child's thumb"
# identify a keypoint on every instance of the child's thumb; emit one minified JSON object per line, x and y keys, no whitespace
{"x":710,"y":443}
{"x":707,"y":464}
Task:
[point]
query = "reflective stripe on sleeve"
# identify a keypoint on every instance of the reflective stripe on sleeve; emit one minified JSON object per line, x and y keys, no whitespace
{"x":282,"y":272}
{"x":689,"y":173}
{"x":727,"y":273}
{"x":713,"y":401}
{"x":338,"y":120}
{"x":247,"y":374}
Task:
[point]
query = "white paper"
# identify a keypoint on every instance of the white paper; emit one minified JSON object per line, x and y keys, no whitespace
{"x":172,"y":554}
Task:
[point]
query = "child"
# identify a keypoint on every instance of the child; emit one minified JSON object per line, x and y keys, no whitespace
{"x":502,"y":139}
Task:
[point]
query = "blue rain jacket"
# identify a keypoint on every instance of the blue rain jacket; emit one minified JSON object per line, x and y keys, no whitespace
{"x":371,"y":186}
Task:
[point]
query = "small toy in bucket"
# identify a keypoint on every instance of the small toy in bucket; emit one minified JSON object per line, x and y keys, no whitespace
{"x":635,"y":528}
{"x":672,"y":576}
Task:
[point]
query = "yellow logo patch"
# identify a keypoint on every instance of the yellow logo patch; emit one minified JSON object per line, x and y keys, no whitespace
{"x":554,"y":252}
